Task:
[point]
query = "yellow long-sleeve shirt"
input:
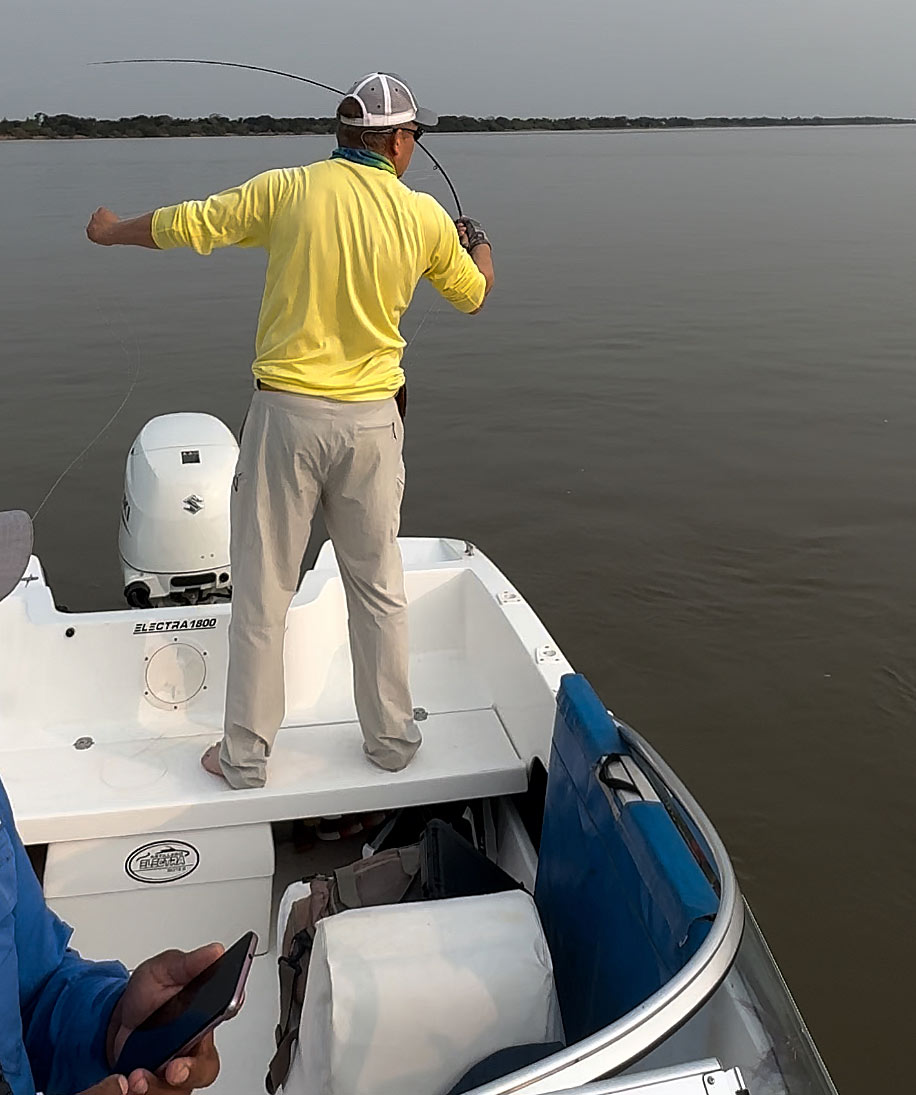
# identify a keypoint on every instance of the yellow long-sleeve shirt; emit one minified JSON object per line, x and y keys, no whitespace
{"x":347,"y":245}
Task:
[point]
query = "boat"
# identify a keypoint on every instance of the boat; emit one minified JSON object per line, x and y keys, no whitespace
{"x":662,"y":978}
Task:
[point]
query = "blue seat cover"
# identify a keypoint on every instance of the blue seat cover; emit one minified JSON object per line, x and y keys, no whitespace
{"x":623,"y":902}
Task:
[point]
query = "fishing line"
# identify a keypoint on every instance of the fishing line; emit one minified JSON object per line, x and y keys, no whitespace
{"x":274,"y":72}
{"x":136,"y":376}
{"x":413,"y":338}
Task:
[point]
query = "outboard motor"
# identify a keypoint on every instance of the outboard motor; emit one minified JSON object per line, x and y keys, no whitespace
{"x":174,"y":536}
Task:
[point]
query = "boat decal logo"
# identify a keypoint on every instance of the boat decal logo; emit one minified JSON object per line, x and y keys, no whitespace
{"x":162,"y":861}
{"x":153,"y":626}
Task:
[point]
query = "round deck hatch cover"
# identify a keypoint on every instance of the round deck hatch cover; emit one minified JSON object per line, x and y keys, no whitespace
{"x":162,"y":861}
{"x":175,"y":674}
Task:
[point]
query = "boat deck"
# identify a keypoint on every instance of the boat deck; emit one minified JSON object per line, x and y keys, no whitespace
{"x":105,"y":715}
{"x":158,"y":785}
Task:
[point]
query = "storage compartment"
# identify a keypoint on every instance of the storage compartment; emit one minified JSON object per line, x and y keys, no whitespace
{"x":132,"y":897}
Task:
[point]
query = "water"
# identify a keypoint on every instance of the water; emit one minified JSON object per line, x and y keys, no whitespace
{"x":684,"y":425}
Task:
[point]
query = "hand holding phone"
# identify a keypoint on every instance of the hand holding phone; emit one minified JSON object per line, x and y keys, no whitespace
{"x":190,"y":994}
{"x":111,"y":1085}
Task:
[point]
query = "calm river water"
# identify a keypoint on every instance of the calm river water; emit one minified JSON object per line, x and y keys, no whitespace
{"x":685,"y":425}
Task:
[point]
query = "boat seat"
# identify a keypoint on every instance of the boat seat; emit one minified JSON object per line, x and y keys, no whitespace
{"x":503,"y":1062}
{"x":407,"y":998}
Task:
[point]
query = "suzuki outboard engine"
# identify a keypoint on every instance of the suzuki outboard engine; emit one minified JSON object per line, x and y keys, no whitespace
{"x":174,"y":537}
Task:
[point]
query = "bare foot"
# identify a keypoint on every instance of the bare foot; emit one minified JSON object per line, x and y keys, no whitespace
{"x":210,"y":761}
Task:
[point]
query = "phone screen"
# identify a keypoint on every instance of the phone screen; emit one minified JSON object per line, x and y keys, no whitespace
{"x":189,"y":1014}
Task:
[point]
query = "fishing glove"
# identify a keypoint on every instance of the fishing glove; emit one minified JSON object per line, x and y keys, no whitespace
{"x":476,"y":234}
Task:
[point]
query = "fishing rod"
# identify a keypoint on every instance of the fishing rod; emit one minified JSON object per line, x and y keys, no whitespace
{"x":273,"y":72}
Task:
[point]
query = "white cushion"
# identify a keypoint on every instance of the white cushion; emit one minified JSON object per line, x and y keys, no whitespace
{"x":403,"y":999}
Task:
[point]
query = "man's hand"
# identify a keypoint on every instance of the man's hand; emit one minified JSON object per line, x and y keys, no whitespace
{"x":101,"y":225}
{"x":107,"y":229}
{"x":471,"y":233}
{"x":474,"y":240}
{"x":111,"y":1085}
{"x":153,"y":982}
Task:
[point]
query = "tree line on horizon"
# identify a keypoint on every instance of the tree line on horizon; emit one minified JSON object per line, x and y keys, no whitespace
{"x":69,"y":126}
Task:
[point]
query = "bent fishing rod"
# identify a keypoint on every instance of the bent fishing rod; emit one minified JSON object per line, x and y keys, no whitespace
{"x":273,"y":72}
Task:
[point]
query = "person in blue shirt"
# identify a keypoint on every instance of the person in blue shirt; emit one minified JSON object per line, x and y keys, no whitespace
{"x":63,"y":1020}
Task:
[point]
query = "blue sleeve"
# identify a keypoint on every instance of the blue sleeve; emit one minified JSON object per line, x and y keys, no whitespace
{"x":65,"y":1001}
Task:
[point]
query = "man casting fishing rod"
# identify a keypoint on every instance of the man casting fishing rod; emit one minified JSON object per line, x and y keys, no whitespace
{"x":347,"y":244}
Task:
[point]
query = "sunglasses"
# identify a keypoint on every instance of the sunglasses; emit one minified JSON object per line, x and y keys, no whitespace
{"x":415,"y":133}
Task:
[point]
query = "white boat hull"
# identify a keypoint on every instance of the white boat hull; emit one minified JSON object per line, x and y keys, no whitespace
{"x":103,"y":719}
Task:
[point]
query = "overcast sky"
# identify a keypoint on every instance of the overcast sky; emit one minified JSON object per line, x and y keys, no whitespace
{"x":515,"y":57}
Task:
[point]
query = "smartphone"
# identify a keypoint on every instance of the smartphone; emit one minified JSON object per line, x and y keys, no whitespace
{"x":175,"y":1028}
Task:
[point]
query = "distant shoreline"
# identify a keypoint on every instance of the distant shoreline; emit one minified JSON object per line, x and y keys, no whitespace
{"x":50,"y":127}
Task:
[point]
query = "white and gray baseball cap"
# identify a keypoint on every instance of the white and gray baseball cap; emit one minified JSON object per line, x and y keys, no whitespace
{"x":385,"y":101}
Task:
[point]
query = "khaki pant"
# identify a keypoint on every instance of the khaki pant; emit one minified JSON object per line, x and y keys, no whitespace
{"x":298,"y":452}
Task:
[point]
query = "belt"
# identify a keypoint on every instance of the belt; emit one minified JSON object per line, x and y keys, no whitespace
{"x":400,"y":399}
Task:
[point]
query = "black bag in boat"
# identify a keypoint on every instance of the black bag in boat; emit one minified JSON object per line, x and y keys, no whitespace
{"x":451,"y":867}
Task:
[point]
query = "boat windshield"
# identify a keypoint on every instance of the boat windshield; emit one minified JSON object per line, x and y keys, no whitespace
{"x":779,"y":1056}
{"x":750,"y":1023}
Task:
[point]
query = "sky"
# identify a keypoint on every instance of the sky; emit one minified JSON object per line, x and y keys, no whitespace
{"x":480,"y":57}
